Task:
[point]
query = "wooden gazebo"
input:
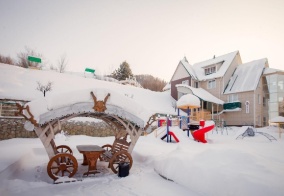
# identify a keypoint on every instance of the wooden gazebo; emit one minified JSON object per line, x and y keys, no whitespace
{"x":48,"y":123}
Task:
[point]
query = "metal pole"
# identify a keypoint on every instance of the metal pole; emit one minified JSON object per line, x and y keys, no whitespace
{"x":188,"y":120}
{"x":179,"y":119}
{"x":167,"y":129}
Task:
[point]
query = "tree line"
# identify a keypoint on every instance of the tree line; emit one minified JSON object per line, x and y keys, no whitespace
{"x":146,"y":81}
{"x":22,"y":60}
{"x":122,"y":73}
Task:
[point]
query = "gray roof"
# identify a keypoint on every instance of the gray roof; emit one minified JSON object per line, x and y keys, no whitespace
{"x":269,"y":70}
{"x":225,"y":59}
{"x":188,"y":68}
{"x":246,"y":77}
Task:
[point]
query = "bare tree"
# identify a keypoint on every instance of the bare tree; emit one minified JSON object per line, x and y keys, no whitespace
{"x":62,"y":64}
{"x":44,"y":88}
{"x":6,"y":60}
{"x":23,"y":59}
{"x":151,"y":82}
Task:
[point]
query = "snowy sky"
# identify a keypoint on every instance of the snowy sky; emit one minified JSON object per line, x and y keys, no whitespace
{"x":151,"y":35}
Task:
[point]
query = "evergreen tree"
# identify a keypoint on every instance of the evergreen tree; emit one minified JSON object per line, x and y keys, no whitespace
{"x":123,"y":72}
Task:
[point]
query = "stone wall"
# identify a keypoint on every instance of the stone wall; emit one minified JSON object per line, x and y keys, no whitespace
{"x":95,"y":129}
{"x":14,"y":128}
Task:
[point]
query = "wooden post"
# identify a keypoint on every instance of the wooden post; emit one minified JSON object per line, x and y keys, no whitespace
{"x":59,"y":125}
{"x":212,"y":117}
{"x":217,"y":112}
{"x":202,"y":111}
{"x":279,"y":130}
{"x":179,"y":119}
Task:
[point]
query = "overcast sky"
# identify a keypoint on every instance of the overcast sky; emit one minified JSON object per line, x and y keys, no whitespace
{"x":151,"y":35}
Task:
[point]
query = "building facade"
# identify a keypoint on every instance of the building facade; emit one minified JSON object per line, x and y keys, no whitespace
{"x":275,"y":97}
{"x":235,"y":92}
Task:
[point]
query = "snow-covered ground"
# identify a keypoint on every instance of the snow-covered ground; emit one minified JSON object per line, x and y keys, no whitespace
{"x":223,"y":166}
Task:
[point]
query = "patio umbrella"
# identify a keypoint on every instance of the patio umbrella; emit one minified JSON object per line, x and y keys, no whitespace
{"x":188,"y":101}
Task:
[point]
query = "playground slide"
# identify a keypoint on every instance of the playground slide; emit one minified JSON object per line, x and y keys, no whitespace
{"x":199,"y":135}
{"x":171,"y":134}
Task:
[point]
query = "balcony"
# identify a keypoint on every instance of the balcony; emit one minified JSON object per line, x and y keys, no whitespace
{"x":234,"y":106}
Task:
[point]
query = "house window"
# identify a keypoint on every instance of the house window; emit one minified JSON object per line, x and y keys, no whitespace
{"x":211,"y":84}
{"x":195,"y":84}
{"x":264,"y":121}
{"x":233,"y":98}
{"x":185,"y":82}
{"x":264,"y":101}
{"x":210,"y":70}
{"x":247,"y":107}
{"x":258,"y":97}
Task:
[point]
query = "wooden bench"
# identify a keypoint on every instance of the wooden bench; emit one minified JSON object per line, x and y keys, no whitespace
{"x":117,"y":153}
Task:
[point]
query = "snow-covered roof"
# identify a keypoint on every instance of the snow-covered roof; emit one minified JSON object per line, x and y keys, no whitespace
{"x":167,"y":87}
{"x":269,"y":70}
{"x":188,"y":101}
{"x":278,"y":119}
{"x":202,"y":94}
{"x":72,"y":94}
{"x":188,"y":68}
{"x":130,"y":81}
{"x":246,"y":77}
{"x":225,"y":60}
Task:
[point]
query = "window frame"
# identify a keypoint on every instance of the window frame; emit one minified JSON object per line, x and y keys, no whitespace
{"x":233,"y":98}
{"x":196,"y":85}
{"x":210,"y":84}
{"x":186,"y":82}
{"x":210,"y":70}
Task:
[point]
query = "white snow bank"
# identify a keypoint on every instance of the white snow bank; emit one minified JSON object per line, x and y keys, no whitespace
{"x":71,"y":94}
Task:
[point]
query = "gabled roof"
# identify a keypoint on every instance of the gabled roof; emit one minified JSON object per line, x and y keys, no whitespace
{"x":246,"y":77}
{"x":184,"y":63}
{"x":226,"y":61}
{"x":197,"y":71}
{"x":188,"y":68}
{"x":268,"y":71}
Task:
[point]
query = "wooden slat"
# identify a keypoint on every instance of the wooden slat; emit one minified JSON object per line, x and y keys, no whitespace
{"x":48,"y":140}
{"x":43,"y":132}
{"x":51,"y":130}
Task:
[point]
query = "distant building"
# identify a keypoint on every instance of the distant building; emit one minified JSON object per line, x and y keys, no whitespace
{"x":167,"y":87}
{"x":235,"y":92}
{"x":131,"y":81}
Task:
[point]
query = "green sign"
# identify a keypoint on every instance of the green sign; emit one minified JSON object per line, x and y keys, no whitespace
{"x":34,"y":59}
{"x":89,"y":70}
